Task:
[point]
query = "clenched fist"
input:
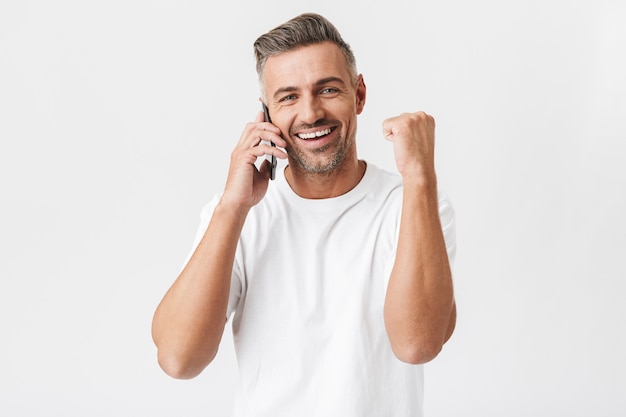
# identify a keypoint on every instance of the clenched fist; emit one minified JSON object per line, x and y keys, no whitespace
{"x":413,"y":137}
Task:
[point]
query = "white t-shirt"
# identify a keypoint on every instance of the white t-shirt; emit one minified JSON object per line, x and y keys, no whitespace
{"x":307,"y":293}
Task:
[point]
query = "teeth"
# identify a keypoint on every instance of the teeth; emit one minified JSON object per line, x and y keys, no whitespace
{"x":314,"y":134}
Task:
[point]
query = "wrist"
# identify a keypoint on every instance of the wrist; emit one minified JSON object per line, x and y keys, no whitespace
{"x":231,"y":207}
{"x":419,"y":178}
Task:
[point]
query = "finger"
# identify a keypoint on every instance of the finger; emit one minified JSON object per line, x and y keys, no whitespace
{"x":388,"y":130}
{"x":263,"y":149}
{"x":268,"y":150}
{"x":388,"y":134}
{"x":255,"y":133}
{"x":271,"y":133}
{"x":274,"y":138}
{"x":267,"y":126}
{"x":390,"y":127}
{"x":268,"y":131}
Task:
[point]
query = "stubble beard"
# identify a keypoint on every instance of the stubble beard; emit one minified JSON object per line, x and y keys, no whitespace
{"x":325,"y":165}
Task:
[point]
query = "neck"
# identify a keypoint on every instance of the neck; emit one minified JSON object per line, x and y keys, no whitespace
{"x":325,"y":185}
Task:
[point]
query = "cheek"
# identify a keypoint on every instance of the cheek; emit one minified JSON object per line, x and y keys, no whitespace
{"x":288,"y":119}
{"x":284,"y":121}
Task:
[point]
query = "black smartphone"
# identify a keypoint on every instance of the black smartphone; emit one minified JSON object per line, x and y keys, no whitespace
{"x":272,"y":159}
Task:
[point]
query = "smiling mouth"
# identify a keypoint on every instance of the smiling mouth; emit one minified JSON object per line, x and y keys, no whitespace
{"x":315,"y":135}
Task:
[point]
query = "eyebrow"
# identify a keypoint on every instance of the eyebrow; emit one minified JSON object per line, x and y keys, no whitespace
{"x":317,"y":84}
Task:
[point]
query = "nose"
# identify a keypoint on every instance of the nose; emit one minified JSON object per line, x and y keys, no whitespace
{"x":311,"y":109}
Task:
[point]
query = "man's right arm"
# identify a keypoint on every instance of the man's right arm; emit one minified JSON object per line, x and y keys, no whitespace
{"x":189,"y":322}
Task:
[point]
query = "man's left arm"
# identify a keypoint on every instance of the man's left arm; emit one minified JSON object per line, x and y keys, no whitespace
{"x":420,"y":312}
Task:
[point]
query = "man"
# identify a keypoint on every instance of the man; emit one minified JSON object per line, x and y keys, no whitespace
{"x":337,"y":273}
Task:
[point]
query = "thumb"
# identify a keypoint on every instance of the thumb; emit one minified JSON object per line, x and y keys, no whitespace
{"x":388,"y":130}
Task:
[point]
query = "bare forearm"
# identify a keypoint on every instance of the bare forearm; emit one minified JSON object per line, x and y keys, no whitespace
{"x":419,"y":306}
{"x":189,"y":322}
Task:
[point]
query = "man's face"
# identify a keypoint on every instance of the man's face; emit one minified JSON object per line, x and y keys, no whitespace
{"x":313,"y":100}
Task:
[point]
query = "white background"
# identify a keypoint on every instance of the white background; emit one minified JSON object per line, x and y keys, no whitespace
{"x":117,"y":120}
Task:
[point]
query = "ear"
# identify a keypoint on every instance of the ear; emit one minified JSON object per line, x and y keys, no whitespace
{"x":360,"y":94}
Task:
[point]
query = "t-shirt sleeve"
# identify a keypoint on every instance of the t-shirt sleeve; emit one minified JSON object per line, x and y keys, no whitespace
{"x":205,"y":219}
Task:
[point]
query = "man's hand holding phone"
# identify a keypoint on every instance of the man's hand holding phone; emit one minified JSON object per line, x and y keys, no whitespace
{"x":246,"y":184}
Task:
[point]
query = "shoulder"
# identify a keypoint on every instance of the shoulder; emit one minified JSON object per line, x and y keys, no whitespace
{"x":381,"y":181}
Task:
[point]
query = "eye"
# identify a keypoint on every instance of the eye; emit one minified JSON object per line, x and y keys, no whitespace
{"x":330,"y":90}
{"x":288,"y":98}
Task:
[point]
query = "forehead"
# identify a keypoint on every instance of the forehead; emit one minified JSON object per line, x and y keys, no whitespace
{"x":304,"y":66}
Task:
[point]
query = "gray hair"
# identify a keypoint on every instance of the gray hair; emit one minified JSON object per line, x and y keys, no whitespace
{"x":303,"y":30}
